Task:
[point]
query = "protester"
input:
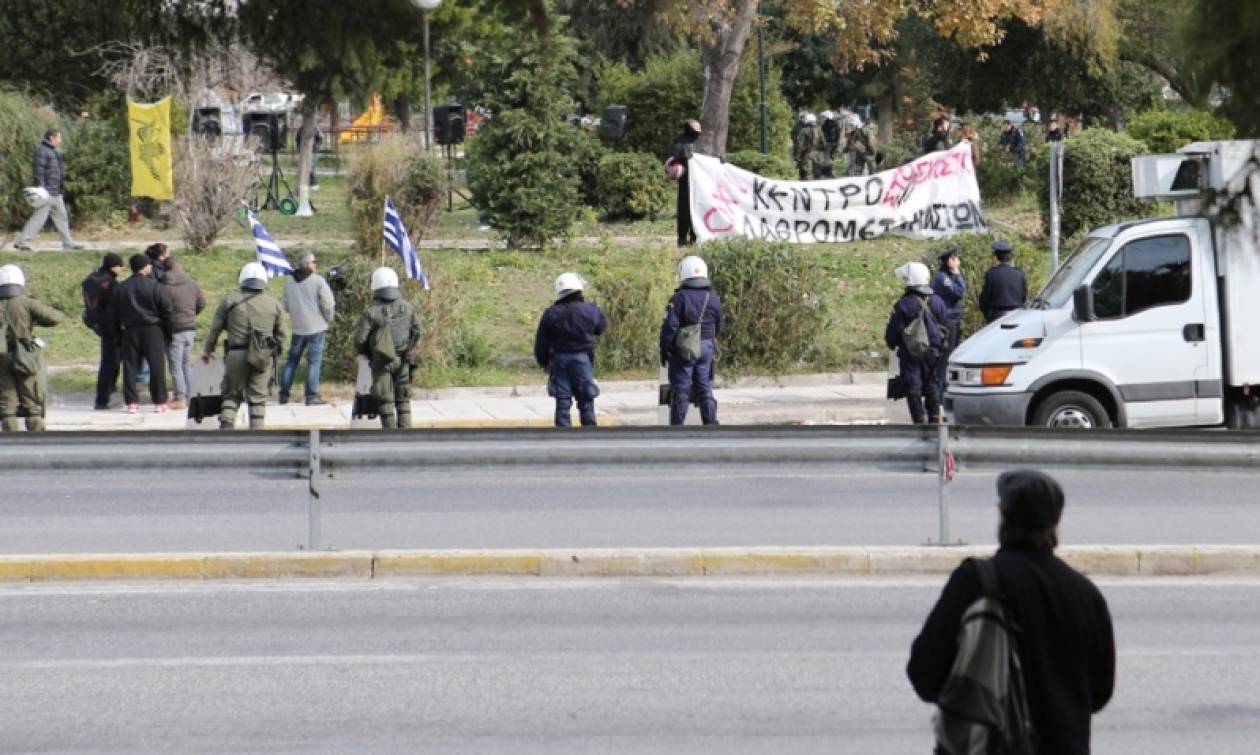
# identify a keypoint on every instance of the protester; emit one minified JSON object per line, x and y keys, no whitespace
{"x":565,"y":346}
{"x":187,"y":301}
{"x":917,"y":370}
{"x":938,"y":140}
{"x":141,"y":317}
{"x":97,"y":287}
{"x":310,"y":304}
{"x":254,"y":324}
{"x":1066,"y":646}
{"x":676,"y":169}
{"x":46,"y":195}
{"x":1013,"y":140}
{"x":1005,"y":286}
{"x":967,"y":133}
{"x":21,"y":360}
{"x":158,"y":254}
{"x":951,"y":287}
{"x":386,"y":334}
{"x":693,"y":322}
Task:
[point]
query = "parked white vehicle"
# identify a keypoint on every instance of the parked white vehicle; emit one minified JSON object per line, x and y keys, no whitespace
{"x":1153,"y":323}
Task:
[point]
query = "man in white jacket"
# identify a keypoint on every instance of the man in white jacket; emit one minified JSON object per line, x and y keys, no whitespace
{"x":309,"y":302}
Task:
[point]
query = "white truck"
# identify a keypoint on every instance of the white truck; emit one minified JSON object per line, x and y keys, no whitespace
{"x":1153,"y":323}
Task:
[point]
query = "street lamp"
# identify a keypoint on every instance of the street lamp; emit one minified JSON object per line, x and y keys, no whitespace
{"x":426,"y":6}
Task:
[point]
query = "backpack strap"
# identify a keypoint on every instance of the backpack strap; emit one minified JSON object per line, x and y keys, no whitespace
{"x":703,"y":308}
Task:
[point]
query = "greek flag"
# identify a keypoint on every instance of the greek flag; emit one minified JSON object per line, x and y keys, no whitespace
{"x":396,"y":238}
{"x":269,"y":254}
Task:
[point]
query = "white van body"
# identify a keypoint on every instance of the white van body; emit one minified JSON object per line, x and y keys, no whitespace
{"x":1153,"y":323}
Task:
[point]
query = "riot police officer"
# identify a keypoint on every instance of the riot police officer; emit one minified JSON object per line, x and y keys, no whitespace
{"x":1005,"y":286}
{"x":565,"y":347}
{"x":918,"y":370}
{"x":20,"y":360}
{"x":695,"y":305}
{"x":254,"y":323}
{"x":387,"y":332}
{"x":809,"y":150}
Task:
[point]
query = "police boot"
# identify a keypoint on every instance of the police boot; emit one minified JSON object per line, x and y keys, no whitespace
{"x":10,"y":424}
{"x":404,"y":415}
{"x":389,"y":421}
{"x":257,"y":416}
{"x":36,"y":424}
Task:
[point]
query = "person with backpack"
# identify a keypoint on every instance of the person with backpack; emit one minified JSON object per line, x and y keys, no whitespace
{"x":97,"y":288}
{"x":565,"y":347}
{"x":254,"y":323}
{"x":21,"y":360}
{"x":141,"y":318}
{"x":693,"y":322}
{"x":386,"y":333}
{"x":916,"y":329}
{"x":1048,"y":622}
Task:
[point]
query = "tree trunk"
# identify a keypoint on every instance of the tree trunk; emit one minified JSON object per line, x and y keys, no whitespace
{"x":306,"y":144}
{"x":720,"y":56}
{"x":885,"y":107}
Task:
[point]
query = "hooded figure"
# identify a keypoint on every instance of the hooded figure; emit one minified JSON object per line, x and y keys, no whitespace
{"x":676,"y":167}
{"x":98,"y":286}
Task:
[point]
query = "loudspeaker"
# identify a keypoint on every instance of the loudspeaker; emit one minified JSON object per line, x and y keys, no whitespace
{"x":268,"y":129}
{"x":207,"y":121}
{"x":448,"y":124}
{"x":614,"y":123}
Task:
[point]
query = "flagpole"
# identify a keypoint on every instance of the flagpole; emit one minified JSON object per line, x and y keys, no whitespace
{"x":383,"y":235}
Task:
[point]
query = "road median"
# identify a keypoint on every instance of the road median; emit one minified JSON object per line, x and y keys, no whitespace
{"x":1111,"y":560}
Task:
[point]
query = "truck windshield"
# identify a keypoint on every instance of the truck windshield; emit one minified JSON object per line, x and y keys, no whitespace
{"x":1071,"y":273}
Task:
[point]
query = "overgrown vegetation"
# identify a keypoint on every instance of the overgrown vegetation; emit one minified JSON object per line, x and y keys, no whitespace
{"x":395,"y":168}
{"x":1097,"y":180}
{"x":1165,"y":131}
{"x":632,"y":185}
{"x":211,"y":184}
{"x":770,"y":166}
{"x":24,"y":126}
{"x":632,"y":293}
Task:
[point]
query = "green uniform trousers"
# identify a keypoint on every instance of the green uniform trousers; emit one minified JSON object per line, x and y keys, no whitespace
{"x":392,"y":390}
{"x":243,"y":384}
{"x":20,"y":394}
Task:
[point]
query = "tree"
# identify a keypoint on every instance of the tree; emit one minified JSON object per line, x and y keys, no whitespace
{"x":1226,"y":43}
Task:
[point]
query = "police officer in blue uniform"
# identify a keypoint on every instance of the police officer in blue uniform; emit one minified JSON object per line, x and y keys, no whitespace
{"x":694,"y":302}
{"x":565,"y":346}
{"x":951,"y":287}
{"x":1005,"y":286}
{"x":918,"y":373}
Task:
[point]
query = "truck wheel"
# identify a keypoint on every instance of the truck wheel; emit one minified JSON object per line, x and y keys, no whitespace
{"x":1071,"y":409}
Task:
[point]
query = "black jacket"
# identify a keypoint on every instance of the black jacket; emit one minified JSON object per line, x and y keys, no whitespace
{"x":97,"y":289}
{"x":1005,"y":288}
{"x":1067,"y":648}
{"x":568,"y":327}
{"x":937,"y":141}
{"x":48,"y":170}
{"x":684,"y":309}
{"x":140,"y":301}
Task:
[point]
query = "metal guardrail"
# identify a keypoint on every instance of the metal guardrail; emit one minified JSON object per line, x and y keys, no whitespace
{"x":311,"y":454}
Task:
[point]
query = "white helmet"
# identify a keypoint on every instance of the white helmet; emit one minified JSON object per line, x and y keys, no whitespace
{"x":692,"y":267}
{"x":853,"y":121}
{"x":253,"y":276}
{"x":384,"y":277}
{"x":11,"y":275}
{"x":568,"y":283}
{"x":828,"y":115}
{"x":914,"y":275}
{"x":810,"y":119}
{"x":36,"y":196}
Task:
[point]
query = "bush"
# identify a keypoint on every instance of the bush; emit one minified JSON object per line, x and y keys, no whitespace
{"x":394,"y":168}
{"x":24,"y":127}
{"x":770,"y":166}
{"x":588,"y":151}
{"x":210,"y":185}
{"x":632,"y":293}
{"x":632,"y":186}
{"x":772,"y":298}
{"x":442,"y":338}
{"x":98,"y":170}
{"x":1168,"y":131}
{"x":977,"y":257}
{"x":1097,"y":180}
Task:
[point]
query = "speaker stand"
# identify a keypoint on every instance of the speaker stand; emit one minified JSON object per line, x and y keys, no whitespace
{"x":272,"y":185}
{"x":451,"y":191}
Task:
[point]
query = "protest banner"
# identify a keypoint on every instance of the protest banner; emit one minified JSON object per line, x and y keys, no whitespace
{"x":931,"y":197}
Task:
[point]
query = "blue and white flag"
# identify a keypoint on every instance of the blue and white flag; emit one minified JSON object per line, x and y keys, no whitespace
{"x":397,"y":239}
{"x":269,"y":254}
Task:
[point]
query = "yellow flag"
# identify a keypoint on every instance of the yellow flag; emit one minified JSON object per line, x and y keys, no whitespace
{"x":151,"y":174}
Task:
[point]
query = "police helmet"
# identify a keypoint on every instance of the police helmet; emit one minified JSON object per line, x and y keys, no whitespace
{"x":253,"y":277}
{"x":810,"y":119}
{"x":12,"y":281}
{"x":692,"y":268}
{"x":915,"y":275}
{"x":36,"y":196}
{"x":384,"y":284}
{"x":569,"y":283}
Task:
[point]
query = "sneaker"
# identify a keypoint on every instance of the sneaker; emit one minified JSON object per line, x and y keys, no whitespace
{"x":317,"y":401}
{"x":162,"y":408}
{"x":22,"y":246}
{"x":133,"y":408}
{"x":177,"y":405}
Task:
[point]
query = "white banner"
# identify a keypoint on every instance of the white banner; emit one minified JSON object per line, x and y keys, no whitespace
{"x":931,"y":197}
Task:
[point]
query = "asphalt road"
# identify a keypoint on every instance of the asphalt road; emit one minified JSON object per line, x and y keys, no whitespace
{"x":566,"y":666}
{"x":618,"y":506}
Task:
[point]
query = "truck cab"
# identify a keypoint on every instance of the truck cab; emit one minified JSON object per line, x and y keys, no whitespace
{"x":1146,"y":324}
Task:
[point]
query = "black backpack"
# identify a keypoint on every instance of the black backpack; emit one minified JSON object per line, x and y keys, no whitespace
{"x":983,"y":707}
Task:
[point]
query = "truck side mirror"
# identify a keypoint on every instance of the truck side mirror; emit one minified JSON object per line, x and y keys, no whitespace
{"x":1083,"y":304}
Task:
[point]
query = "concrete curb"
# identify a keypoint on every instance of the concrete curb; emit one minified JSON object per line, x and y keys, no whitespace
{"x":1110,"y":560}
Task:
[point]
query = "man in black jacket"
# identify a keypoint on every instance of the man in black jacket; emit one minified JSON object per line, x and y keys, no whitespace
{"x":141,"y":317}
{"x":676,"y":169}
{"x":97,"y":290}
{"x":1005,"y":286}
{"x":565,"y":347}
{"x":1066,"y":646}
{"x":49,"y":174}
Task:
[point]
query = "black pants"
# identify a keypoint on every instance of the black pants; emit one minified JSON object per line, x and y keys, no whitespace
{"x":686,"y":234}
{"x":107,"y":375}
{"x":144,"y":343}
{"x":942,"y":363}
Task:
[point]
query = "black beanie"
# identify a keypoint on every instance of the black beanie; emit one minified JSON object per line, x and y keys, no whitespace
{"x":111,"y":261}
{"x":1031,"y":499}
{"x":139,"y":262}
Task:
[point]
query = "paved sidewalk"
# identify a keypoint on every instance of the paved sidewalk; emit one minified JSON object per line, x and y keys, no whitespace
{"x":837,"y":398}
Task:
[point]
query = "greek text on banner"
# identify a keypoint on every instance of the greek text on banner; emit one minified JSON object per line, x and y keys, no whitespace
{"x":931,"y":197}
